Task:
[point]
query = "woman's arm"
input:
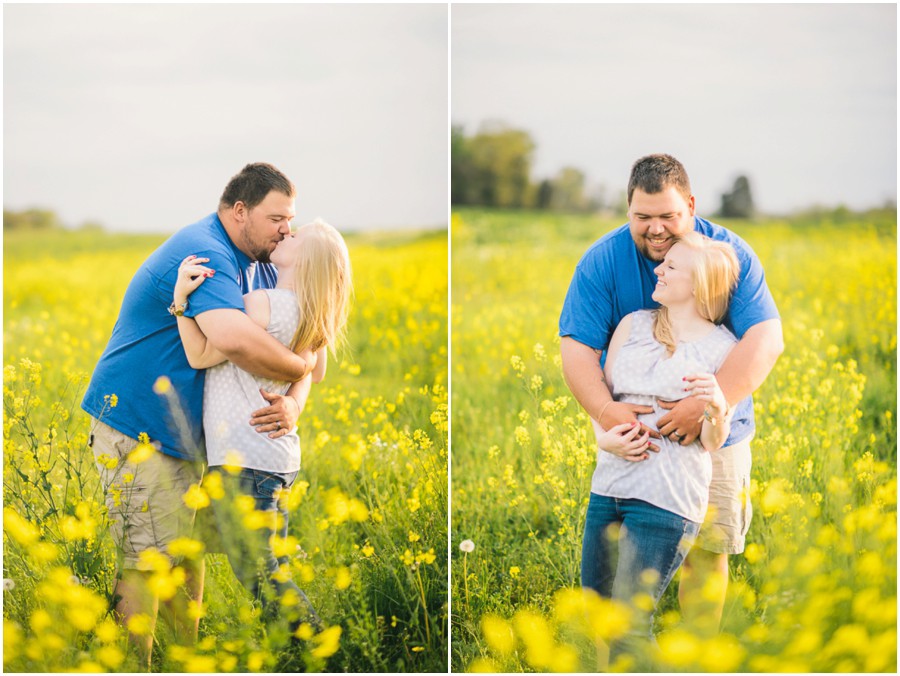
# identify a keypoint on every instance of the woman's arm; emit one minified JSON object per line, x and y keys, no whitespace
{"x":200,"y":352}
{"x":717,"y":416}
{"x":321,"y":364}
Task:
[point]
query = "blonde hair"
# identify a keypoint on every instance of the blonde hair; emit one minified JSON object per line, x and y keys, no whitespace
{"x":323,"y":283}
{"x":715,"y":275}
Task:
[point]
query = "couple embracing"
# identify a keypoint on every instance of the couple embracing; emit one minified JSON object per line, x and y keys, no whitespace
{"x":222,"y":331}
{"x":667,"y":329}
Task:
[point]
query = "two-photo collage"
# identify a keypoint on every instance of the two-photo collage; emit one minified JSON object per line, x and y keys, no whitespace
{"x":450,"y":338}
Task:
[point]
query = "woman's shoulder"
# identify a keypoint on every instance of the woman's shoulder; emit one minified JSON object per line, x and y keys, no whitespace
{"x":636,"y":326}
{"x":717,"y":346}
{"x":257,"y":307}
{"x":723,"y":334}
{"x":641,"y":317}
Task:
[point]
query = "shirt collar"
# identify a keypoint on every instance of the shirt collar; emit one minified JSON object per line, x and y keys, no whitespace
{"x":244,"y":261}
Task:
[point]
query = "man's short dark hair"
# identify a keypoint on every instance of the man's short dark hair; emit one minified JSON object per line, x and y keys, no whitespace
{"x":253,"y":183}
{"x":654,"y":173}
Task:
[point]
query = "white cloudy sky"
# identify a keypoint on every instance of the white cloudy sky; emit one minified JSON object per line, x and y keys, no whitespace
{"x":137,"y":115}
{"x":802,"y":97}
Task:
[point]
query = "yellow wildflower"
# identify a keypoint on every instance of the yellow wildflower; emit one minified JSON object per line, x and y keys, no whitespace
{"x":328,"y":642}
{"x":162,"y":385}
{"x":196,"y":497}
{"x":140,"y":624}
{"x":342,"y":578}
{"x":141,"y":453}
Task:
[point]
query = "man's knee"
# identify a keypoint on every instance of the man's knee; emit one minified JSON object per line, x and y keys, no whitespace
{"x":704,"y":560}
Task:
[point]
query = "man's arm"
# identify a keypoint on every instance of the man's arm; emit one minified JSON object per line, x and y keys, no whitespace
{"x":281,"y":415}
{"x":743,"y":371}
{"x":751,"y":360}
{"x":247,"y":345}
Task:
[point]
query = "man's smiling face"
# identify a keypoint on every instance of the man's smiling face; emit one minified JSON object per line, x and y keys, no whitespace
{"x":656,"y":219}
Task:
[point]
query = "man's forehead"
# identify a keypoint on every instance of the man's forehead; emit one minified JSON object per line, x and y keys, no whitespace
{"x":651,"y":204}
{"x":278,"y":203}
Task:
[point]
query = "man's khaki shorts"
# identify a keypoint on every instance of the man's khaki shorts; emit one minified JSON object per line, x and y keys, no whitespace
{"x":144,"y":500}
{"x":730,"y":510}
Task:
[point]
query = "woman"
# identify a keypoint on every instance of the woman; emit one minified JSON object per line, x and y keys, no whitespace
{"x":657,"y":503}
{"x":307,"y":310}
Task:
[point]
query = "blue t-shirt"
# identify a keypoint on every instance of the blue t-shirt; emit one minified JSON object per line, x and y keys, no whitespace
{"x":613,"y":279}
{"x":145,"y":343}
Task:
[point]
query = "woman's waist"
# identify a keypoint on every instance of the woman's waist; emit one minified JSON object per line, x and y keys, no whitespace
{"x":673,"y":470}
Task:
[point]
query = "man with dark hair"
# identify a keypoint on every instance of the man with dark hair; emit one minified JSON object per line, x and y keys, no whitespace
{"x":616,"y":277}
{"x":144,"y":393}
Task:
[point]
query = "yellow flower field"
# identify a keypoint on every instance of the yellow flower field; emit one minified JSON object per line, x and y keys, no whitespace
{"x":816,"y":589}
{"x":368,"y":513}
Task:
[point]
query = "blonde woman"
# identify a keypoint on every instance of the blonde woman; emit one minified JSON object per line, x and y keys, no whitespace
{"x":307,"y":311}
{"x":656,"y":501}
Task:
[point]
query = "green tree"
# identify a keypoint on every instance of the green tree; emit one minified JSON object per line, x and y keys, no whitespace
{"x":31,"y":219}
{"x":501,"y":162}
{"x":568,"y":190}
{"x":739,"y":202}
{"x":462,"y":171}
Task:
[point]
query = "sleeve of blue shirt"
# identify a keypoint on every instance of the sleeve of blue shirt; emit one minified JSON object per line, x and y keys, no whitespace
{"x":588,"y":308}
{"x":221,"y":291}
{"x":752,"y":301}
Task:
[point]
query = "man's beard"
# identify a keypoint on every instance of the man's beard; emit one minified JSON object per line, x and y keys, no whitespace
{"x":258,"y":253}
{"x":651,"y":254}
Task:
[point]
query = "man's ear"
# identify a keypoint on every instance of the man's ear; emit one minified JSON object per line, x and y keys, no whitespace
{"x":239,"y":212}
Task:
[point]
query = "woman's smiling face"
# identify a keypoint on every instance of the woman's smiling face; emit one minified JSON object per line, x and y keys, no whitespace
{"x":675,"y":276}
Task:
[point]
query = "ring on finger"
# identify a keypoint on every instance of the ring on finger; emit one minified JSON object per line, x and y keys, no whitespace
{"x":277,"y":424}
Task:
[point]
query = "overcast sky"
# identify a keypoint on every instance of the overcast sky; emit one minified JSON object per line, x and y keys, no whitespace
{"x":802,"y":98}
{"x":137,"y":115}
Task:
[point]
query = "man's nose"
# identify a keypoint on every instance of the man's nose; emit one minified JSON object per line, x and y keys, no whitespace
{"x":656,"y":227}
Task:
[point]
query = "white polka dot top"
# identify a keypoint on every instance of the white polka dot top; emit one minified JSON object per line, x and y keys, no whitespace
{"x":231,"y":394}
{"x":677,"y":478}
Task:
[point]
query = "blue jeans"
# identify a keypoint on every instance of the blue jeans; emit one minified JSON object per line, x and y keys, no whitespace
{"x":249,"y":551}
{"x":650,"y":538}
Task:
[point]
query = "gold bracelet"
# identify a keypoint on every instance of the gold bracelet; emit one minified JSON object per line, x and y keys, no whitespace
{"x":603,"y":410}
{"x":715,"y":421}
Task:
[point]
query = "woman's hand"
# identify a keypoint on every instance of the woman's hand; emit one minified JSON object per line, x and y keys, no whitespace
{"x":191,"y":274}
{"x":618,"y":413}
{"x":626,"y":441}
{"x":705,"y":387}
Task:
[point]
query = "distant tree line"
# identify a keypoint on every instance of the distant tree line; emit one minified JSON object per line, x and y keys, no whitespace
{"x":43,"y":220}
{"x":493,"y":168}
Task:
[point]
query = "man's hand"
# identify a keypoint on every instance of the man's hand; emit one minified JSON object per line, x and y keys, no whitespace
{"x":279,"y":418}
{"x":683,"y":422}
{"x":621,"y":413}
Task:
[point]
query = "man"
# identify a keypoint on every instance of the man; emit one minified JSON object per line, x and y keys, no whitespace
{"x":616,"y":277}
{"x":143,"y":388}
